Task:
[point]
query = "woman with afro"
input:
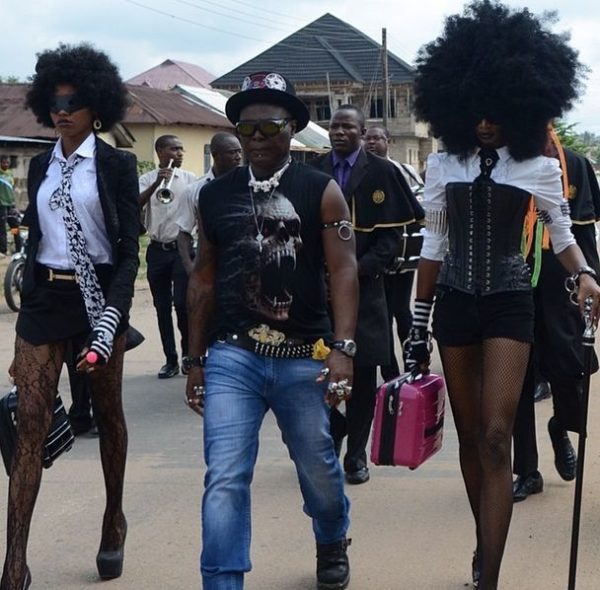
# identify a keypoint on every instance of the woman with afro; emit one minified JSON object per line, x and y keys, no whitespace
{"x":488,"y":86}
{"x":82,"y":261}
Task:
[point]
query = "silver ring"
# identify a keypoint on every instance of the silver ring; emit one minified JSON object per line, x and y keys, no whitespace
{"x":199,"y":390}
{"x":325,"y":371}
{"x":332,"y":386}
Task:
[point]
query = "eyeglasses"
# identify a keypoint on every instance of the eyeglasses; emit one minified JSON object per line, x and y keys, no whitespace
{"x":267,"y":127}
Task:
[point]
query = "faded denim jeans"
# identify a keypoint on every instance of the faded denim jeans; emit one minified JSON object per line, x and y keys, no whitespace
{"x":240,"y":387}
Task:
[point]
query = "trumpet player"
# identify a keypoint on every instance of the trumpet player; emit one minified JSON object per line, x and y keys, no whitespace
{"x":162,"y":203}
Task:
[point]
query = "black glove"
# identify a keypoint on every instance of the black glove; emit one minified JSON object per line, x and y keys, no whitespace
{"x":417,"y":349}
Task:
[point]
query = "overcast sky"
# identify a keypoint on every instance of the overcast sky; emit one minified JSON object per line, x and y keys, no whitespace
{"x":221,"y":34}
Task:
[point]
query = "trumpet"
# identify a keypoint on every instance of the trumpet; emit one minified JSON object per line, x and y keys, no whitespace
{"x":164,"y":193}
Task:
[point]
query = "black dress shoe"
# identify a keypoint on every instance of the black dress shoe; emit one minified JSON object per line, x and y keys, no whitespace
{"x":358,"y":477}
{"x":565,"y":459}
{"x":333,"y":568}
{"x":525,"y":485}
{"x":169,"y":370}
{"x":541,"y":391}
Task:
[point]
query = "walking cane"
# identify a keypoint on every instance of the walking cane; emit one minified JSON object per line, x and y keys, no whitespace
{"x":588,"y":348}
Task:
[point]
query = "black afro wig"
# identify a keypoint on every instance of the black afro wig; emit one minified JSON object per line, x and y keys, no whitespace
{"x":90,"y":71}
{"x":499,"y":64}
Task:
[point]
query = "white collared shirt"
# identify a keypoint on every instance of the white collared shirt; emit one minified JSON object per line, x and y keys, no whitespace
{"x":54,"y":248}
{"x":540,"y":176}
{"x":160,"y":219}
{"x":189,"y":213}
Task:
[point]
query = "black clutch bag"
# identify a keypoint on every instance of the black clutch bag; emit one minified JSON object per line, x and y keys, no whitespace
{"x":60,"y":436}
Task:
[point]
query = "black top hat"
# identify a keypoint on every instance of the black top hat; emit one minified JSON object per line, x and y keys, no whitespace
{"x":270,"y":88}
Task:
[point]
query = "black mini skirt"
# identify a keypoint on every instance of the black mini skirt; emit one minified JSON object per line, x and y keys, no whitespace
{"x":55,"y":310}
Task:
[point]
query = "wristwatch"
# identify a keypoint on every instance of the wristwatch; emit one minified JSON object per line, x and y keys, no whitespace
{"x":189,"y":362}
{"x":347,"y":346}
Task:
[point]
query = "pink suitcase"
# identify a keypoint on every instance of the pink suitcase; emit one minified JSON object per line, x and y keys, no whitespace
{"x":409,"y":420}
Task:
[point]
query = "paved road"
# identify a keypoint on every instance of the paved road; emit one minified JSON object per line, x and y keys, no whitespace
{"x":411,"y":530}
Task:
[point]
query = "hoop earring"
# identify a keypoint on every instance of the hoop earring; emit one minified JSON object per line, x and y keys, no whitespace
{"x":97,"y":124}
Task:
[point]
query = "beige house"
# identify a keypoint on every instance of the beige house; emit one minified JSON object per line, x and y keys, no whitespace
{"x":156,"y":112}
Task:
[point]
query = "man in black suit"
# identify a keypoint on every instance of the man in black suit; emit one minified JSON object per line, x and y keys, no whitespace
{"x":558,"y":349}
{"x":380,"y":202}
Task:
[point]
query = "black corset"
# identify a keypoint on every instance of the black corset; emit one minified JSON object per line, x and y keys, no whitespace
{"x":485,"y":227}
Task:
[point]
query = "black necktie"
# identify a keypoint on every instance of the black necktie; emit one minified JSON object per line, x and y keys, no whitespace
{"x":487,"y":160}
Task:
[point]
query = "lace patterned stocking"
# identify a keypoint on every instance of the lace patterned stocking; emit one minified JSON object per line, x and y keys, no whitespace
{"x":37,"y":369}
{"x":108,"y":413}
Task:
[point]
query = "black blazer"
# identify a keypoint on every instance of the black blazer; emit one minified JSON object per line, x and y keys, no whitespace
{"x":378,"y":224}
{"x":118,"y":189}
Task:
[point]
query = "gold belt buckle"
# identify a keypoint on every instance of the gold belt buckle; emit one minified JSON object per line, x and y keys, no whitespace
{"x":57,"y":276}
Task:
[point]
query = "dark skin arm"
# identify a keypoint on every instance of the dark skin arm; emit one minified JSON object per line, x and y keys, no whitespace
{"x":201,"y":303}
{"x":184,"y":247}
{"x":163,"y":174}
{"x":343,"y":283}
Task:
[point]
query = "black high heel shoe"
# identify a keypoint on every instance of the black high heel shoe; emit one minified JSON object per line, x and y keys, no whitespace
{"x":27,"y":579}
{"x":476,"y":568}
{"x":110,"y":561}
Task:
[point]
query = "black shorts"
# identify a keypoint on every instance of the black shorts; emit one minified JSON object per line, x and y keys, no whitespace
{"x":462,"y":319}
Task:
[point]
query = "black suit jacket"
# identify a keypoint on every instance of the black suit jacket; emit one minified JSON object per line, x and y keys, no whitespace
{"x":381,"y":203}
{"x":118,"y":190}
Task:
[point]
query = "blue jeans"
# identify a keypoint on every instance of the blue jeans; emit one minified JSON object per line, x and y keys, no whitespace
{"x":240,"y":387}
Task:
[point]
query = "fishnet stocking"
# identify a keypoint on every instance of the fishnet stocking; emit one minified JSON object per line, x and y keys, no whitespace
{"x":37,"y":369}
{"x":484,"y":385}
{"x":108,"y":413}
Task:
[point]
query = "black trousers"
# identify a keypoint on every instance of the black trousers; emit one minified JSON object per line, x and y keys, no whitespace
{"x":168,"y":285}
{"x":3,"y":220}
{"x":80,"y":412}
{"x":398,"y":289}
{"x":357,"y":422}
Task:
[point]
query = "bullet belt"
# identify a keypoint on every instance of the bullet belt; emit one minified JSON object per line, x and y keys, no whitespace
{"x":288,"y":349}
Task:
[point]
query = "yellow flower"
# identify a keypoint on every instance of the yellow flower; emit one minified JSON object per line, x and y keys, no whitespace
{"x":320,"y":350}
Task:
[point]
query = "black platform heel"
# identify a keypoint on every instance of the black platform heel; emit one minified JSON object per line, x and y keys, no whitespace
{"x":27,"y":579}
{"x":476,"y":568}
{"x":110,"y":561}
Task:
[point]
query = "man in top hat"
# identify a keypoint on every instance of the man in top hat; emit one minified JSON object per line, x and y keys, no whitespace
{"x":381,"y":203}
{"x":259,"y":322}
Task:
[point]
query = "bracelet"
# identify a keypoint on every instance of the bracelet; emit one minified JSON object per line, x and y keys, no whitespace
{"x":584,"y":270}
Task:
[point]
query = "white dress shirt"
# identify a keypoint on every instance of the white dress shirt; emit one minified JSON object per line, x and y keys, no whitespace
{"x":189,"y":213}
{"x":540,"y":176}
{"x":160,"y":219}
{"x":53,"y":249}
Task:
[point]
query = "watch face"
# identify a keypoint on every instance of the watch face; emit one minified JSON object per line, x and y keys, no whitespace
{"x":350,"y":346}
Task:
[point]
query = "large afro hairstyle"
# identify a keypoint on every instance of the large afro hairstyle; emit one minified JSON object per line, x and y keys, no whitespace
{"x":501,"y":65}
{"x":90,"y":71}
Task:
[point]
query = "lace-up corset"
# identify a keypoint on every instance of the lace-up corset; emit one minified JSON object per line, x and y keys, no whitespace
{"x":485,"y":225}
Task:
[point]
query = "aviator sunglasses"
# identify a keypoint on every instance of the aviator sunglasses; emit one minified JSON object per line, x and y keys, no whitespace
{"x":267,"y":127}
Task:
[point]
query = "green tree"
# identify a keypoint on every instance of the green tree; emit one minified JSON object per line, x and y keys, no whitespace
{"x":569,"y":138}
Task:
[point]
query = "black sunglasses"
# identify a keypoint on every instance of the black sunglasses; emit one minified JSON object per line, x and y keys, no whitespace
{"x":68,"y":103}
{"x":267,"y":127}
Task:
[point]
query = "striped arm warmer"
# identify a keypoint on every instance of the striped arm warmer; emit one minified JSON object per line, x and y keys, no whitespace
{"x":103,"y":334}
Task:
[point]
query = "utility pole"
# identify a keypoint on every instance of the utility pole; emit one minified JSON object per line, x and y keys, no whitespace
{"x":386,"y":78}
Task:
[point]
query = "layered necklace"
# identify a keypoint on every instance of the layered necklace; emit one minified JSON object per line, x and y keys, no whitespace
{"x":263,"y":186}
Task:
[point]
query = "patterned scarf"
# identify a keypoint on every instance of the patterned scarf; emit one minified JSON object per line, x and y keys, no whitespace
{"x":86,"y":273}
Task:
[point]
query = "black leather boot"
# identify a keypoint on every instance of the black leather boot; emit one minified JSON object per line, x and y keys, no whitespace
{"x":565,"y":458}
{"x":333,"y":568}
